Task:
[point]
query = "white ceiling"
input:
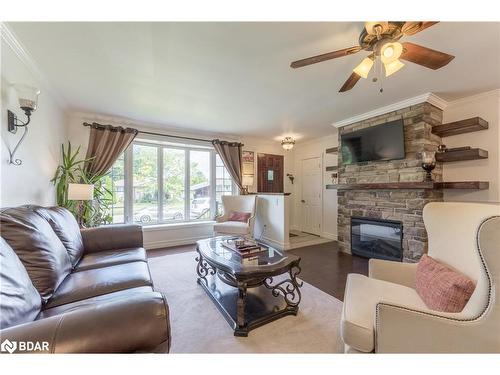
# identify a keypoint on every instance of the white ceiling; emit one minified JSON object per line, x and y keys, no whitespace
{"x":235,"y":77}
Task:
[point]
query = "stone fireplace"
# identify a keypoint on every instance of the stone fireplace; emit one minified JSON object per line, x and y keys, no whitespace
{"x":400,"y":205}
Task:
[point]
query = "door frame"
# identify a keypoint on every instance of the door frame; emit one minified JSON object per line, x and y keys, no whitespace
{"x":322,"y":175}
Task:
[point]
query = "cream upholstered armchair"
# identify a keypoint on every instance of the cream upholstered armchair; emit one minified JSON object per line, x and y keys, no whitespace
{"x":236,"y":203}
{"x":384,"y":313}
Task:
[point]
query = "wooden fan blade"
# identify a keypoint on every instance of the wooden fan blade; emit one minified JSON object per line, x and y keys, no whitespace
{"x":325,"y":56}
{"x":411,"y":28}
{"x":351,"y":81}
{"x":424,"y":56}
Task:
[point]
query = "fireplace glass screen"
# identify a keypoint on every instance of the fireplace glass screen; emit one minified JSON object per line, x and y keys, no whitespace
{"x":380,"y":239}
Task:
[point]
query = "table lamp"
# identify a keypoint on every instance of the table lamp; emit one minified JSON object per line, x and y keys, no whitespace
{"x":246,"y":181}
{"x":80,"y":193}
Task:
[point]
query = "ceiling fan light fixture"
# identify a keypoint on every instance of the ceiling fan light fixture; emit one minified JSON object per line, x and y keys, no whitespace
{"x":364,"y":67}
{"x":393,"y":67}
{"x":372,"y":26}
{"x":390,"y":52}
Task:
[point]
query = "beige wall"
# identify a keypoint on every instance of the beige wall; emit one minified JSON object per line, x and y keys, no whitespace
{"x":40,"y":151}
{"x":487,"y":106}
{"x":310,"y":149}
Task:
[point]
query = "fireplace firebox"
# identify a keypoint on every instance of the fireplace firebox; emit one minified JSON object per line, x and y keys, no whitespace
{"x":373,"y":238}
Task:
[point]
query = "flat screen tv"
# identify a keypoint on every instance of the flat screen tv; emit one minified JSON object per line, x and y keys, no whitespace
{"x":381,"y":142}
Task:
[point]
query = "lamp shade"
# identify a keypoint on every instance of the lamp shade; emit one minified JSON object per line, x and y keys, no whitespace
{"x":364,"y":67}
{"x":80,"y":192}
{"x":27,"y":96}
{"x":393,"y":67}
{"x":247,"y":181}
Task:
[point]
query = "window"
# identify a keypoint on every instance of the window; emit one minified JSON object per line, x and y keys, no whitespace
{"x":174,"y":184}
{"x":167,"y":183}
{"x":145,"y":184}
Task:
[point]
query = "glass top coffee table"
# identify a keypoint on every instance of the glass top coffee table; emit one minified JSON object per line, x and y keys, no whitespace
{"x":249,"y":292}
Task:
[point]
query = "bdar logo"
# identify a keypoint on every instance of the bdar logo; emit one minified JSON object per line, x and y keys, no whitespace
{"x":8,"y":346}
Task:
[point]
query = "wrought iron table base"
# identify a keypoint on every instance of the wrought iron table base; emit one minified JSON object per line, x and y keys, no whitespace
{"x":239,"y":317}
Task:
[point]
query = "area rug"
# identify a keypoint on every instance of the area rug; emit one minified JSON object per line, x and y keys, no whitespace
{"x":198,"y":327}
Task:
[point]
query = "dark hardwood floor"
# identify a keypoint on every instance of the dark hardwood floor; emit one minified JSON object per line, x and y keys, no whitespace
{"x":326,"y":268}
{"x":323,"y":266}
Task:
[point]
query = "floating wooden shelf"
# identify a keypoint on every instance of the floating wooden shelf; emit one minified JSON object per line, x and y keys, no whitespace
{"x":460,"y":127}
{"x":473,"y":185}
{"x":471,"y":154}
{"x":332,"y":150}
{"x":332,"y":168}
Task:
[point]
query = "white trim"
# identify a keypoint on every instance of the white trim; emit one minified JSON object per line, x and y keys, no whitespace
{"x":174,"y":226}
{"x":427,"y":97}
{"x":331,"y":236}
{"x":10,"y":38}
{"x":274,"y":243}
{"x":171,"y":243}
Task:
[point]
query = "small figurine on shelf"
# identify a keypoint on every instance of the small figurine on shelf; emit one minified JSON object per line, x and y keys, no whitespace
{"x":428,"y":164}
{"x":335,"y":178}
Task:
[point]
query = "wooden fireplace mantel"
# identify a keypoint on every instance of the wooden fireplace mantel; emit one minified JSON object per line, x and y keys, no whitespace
{"x":469,"y":185}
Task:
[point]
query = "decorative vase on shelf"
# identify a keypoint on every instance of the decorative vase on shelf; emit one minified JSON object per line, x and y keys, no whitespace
{"x":428,"y":164}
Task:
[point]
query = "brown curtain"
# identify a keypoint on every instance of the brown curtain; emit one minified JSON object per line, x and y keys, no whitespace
{"x":230,"y":153}
{"x":106,"y":143}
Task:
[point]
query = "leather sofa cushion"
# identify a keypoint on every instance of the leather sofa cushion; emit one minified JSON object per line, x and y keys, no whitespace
{"x":362,"y":294}
{"x":66,"y":227}
{"x":104,"y":298}
{"x":95,"y":282}
{"x":40,"y":250}
{"x":135,"y":323}
{"x":111,"y":258}
{"x":20,"y":302}
{"x":233,"y":227}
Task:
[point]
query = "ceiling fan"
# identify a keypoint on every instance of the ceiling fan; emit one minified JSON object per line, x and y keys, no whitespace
{"x":381,"y":38}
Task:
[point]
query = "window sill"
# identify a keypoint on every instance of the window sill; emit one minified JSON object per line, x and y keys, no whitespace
{"x":160,"y":227}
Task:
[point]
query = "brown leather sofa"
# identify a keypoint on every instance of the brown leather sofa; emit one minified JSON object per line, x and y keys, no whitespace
{"x":76,"y":291}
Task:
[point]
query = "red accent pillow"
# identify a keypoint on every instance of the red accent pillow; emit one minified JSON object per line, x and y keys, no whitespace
{"x":239,"y":216}
{"x":442,"y":288}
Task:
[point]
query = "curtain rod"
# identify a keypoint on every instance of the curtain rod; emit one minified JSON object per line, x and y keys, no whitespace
{"x":159,"y":134}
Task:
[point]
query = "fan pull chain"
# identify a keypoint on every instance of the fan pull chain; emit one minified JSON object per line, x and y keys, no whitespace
{"x":381,"y":90}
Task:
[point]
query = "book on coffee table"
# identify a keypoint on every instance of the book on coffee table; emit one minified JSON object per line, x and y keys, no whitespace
{"x":246,"y":249}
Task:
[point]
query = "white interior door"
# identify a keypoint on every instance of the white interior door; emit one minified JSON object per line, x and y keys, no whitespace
{"x":311,"y":216}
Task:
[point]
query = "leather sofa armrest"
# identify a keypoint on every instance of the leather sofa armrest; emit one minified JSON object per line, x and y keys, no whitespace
{"x":402,"y":329}
{"x":139,"y":323}
{"x":111,"y":237}
{"x":394,"y":272}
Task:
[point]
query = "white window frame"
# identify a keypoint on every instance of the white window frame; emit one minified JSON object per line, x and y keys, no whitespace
{"x":128,"y":184}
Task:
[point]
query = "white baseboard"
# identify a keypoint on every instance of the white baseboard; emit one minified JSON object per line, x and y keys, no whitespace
{"x":278,"y":245}
{"x":330,"y":236}
{"x":170,"y":243}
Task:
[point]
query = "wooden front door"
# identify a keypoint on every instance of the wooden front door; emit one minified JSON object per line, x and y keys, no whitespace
{"x":269,"y":173}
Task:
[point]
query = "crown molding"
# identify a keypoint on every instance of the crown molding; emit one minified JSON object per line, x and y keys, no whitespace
{"x":10,"y":38}
{"x":427,"y":97}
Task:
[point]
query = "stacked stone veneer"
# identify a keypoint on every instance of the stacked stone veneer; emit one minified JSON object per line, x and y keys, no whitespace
{"x":401,"y":205}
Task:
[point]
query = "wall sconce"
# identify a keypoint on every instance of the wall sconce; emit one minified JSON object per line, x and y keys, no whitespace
{"x":291,"y":177}
{"x":28,"y":101}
